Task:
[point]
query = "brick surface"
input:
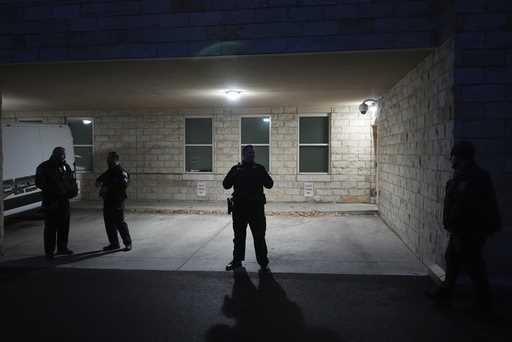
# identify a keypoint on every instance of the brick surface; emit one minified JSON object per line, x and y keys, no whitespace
{"x":415,"y":133}
{"x":2,"y":121}
{"x":90,"y":26}
{"x":481,"y":108}
{"x":151,"y":148}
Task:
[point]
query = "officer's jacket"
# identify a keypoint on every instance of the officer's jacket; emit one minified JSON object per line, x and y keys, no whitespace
{"x":470,"y":203}
{"x":248,"y":181}
{"x":56,"y":181}
{"x":114,"y":182}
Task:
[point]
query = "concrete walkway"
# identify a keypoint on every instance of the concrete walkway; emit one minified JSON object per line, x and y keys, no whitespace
{"x":349,"y":244}
{"x":219,"y":208}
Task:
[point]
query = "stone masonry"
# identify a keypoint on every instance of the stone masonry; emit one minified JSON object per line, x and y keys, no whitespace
{"x":1,"y":179}
{"x":483,"y":84}
{"x":54,"y":30}
{"x":151,"y":146}
{"x":464,"y":87}
{"x":415,"y":134}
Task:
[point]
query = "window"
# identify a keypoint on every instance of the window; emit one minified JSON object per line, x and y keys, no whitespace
{"x":198,"y":145}
{"x":83,"y":145}
{"x":256,"y":131}
{"x":314,"y":144}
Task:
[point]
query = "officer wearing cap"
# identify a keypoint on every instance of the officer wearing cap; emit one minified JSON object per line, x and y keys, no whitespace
{"x":57,"y":182}
{"x":248,"y":179}
{"x":470,"y":216}
{"x":113,"y":184}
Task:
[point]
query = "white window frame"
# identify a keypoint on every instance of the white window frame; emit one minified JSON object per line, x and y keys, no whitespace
{"x":93,"y":123}
{"x":269,"y":137}
{"x":212,"y":145}
{"x":328,"y":144}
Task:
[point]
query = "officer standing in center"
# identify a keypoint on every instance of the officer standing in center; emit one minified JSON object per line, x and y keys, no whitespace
{"x":113,"y":183}
{"x":248,"y":179}
{"x":57,"y":182}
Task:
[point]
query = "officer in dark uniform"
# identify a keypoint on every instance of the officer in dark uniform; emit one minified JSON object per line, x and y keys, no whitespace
{"x":113,"y":183}
{"x":470,"y":216}
{"x":248,"y":180}
{"x":57,"y":181}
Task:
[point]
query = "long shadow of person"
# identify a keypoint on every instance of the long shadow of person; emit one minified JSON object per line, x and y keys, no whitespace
{"x":42,"y":262}
{"x":263,"y":314}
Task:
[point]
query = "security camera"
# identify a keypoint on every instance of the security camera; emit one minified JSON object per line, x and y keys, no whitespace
{"x":367,"y":105}
{"x":363,"y":108}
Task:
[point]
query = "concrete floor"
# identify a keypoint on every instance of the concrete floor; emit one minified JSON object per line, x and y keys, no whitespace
{"x":71,"y":304}
{"x":351,"y":244}
{"x":124,"y":295}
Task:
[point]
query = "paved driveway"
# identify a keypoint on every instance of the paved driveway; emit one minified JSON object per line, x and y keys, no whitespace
{"x":351,"y":244}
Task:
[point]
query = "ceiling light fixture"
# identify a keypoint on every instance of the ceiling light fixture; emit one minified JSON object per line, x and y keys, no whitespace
{"x":233,"y":95}
{"x":87,"y":122}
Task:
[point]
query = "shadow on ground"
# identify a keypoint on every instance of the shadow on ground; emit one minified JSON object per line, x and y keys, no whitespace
{"x":117,"y":305}
{"x":43,"y":262}
{"x":264,"y":313}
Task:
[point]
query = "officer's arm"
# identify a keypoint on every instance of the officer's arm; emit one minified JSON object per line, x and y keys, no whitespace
{"x":491,"y":206}
{"x":101,"y":179}
{"x":229,"y":180}
{"x":119,"y":178}
{"x":267,"y":181}
{"x":126,"y":178}
{"x":41,"y":178}
{"x":44,"y":184}
{"x":445,"y":207}
{"x":123,"y":178}
{"x":69,"y":170}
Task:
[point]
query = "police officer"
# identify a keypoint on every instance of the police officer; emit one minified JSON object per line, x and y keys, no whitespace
{"x":248,"y":180}
{"x":57,"y":181}
{"x":113,"y":183}
{"x":470,"y":216}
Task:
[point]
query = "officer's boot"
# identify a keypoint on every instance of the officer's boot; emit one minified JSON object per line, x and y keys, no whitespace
{"x":441,"y":295}
{"x":233,"y":265}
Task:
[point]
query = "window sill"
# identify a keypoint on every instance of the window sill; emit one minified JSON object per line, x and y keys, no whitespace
{"x":312,"y":177}
{"x":206,"y":176}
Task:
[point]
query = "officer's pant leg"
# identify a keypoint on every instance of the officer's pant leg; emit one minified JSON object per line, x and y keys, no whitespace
{"x":110,"y":227}
{"x":50,"y":231}
{"x":453,"y":261}
{"x":239,"y":230}
{"x":122,"y":226}
{"x":63,"y":228}
{"x":258,"y":226}
{"x":477,"y":271}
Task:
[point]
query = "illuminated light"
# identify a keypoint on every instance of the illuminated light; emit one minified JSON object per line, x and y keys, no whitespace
{"x":87,"y":122}
{"x":266,"y":119}
{"x":373,"y":109}
{"x":233,"y":95}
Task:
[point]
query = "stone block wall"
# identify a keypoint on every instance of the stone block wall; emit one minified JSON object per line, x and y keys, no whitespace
{"x":483,"y":88}
{"x":1,"y":180}
{"x":54,"y":30}
{"x":415,"y":135}
{"x":151,"y":145}
{"x":464,"y":87}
